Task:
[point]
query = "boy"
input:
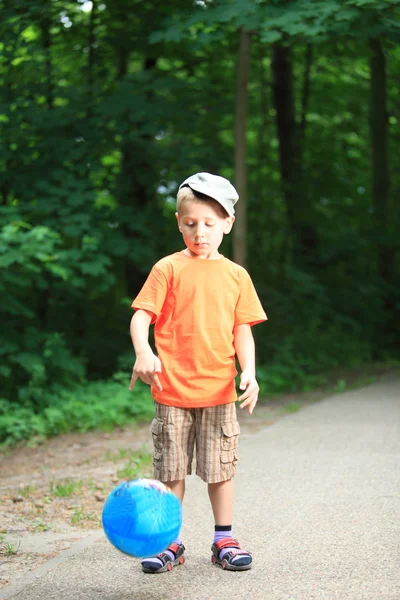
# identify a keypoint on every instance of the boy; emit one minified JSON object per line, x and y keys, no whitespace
{"x":203,"y":306}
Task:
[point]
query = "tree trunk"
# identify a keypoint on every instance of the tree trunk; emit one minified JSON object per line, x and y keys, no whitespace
{"x":265,"y":105}
{"x":380,"y":182}
{"x":299,"y":213}
{"x":46,"y":23}
{"x":306,"y":91}
{"x":136,"y":189}
{"x":379,"y":158}
{"x":240,"y":228}
{"x":92,"y":40}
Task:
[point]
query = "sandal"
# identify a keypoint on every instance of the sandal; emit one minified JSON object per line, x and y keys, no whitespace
{"x":228,"y":561}
{"x":148,"y":565}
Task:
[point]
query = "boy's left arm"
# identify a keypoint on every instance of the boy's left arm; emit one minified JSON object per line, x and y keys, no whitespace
{"x":245,"y":351}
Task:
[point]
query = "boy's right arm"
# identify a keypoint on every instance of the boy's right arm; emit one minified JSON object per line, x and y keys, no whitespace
{"x":147,"y":364}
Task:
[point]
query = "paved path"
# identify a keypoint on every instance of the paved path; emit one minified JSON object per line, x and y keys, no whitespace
{"x":317,"y":501}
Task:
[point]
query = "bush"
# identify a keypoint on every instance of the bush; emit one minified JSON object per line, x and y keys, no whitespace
{"x":98,"y":405}
{"x":301,"y":361}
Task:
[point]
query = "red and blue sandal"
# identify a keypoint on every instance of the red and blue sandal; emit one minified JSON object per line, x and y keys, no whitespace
{"x":148,"y":565}
{"x":233,"y":560}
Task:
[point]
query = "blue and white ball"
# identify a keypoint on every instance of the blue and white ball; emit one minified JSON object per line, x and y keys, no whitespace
{"x":142,"y":517}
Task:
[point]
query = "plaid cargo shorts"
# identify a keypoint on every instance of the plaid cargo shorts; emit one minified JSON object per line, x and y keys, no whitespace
{"x":214,"y":432}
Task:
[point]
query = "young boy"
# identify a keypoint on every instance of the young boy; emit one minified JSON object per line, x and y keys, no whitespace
{"x":203,"y":306}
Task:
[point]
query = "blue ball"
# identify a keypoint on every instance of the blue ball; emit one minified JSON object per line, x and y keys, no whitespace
{"x":142,"y":517}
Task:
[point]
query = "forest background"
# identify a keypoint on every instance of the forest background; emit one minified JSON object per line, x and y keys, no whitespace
{"x":106,"y":106}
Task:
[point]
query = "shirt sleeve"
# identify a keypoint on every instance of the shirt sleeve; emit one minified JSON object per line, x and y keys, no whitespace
{"x":153,"y":293}
{"x":249,"y":310}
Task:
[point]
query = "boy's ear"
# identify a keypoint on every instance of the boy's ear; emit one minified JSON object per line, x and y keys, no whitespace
{"x":228,"y":224}
{"x":179,"y":224}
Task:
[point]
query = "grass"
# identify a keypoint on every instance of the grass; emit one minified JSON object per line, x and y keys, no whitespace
{"x":66,"y":488}
{"x":340,"y":386}
{"x":292,"y":407}
{"x":139,"y":465}
{"x":93,"y":485}
{"x":7,"y":548}
{"x":78,"y":516}
{"x":39,"y":526}
{"x":343,"y":385}
{"x":121,"y":454}
{"x":26,"y":491}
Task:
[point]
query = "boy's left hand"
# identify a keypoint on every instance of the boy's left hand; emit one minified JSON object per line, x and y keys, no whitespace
{"x":250,"y":396}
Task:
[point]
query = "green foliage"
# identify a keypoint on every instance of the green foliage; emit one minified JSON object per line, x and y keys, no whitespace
{"x":280,"y":377}
{"x":314,"y":20}
{"x":97,"y":405}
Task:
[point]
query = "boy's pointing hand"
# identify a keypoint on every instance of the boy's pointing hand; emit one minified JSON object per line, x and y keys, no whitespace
{"x":146,"y":368}
{"x":250,"y":396}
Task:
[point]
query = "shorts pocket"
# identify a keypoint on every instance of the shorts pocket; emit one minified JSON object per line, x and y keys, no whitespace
{"x":156,"y":430}
{"x":229,"y":441}
{"x":157,"y":464}
{"x":157,"y":459}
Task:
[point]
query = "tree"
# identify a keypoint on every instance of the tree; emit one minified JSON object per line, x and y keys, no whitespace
{"x":240,"y":229}
{"x":380,"y":182}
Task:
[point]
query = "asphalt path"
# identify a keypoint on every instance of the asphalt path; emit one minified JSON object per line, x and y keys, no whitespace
{"x":317,"y":501}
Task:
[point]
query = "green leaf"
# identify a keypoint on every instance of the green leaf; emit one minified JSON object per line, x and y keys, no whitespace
{"x":269,"y":37}
{"x":350,"y":14}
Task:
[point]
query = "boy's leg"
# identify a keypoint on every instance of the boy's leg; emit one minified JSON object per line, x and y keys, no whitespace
{"x":226,"y":550}
{"x":174,"y":554}
{"x":173,"y":438}
{"x":217,"y":433}
{"x":221,"y":498}
{"x":177,"y":487}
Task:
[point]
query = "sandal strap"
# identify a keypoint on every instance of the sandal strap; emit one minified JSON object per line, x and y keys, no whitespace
{"x":237,"y":552}
{"x":164,"y":558}
{"x":173,"y":548}
{"x":227,"y":543}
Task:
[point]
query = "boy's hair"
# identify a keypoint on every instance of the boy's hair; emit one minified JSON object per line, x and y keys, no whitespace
{"x":186,"y":194}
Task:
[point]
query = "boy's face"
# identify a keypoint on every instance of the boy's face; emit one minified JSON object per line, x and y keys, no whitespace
{"x":202,"y":228}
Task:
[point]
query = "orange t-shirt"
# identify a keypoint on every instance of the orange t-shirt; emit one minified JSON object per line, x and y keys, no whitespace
{"x":195,"y":305}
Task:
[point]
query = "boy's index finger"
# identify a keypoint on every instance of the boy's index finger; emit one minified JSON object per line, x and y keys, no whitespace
{"x":156,"y":382}
{"x":134,"y":379}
